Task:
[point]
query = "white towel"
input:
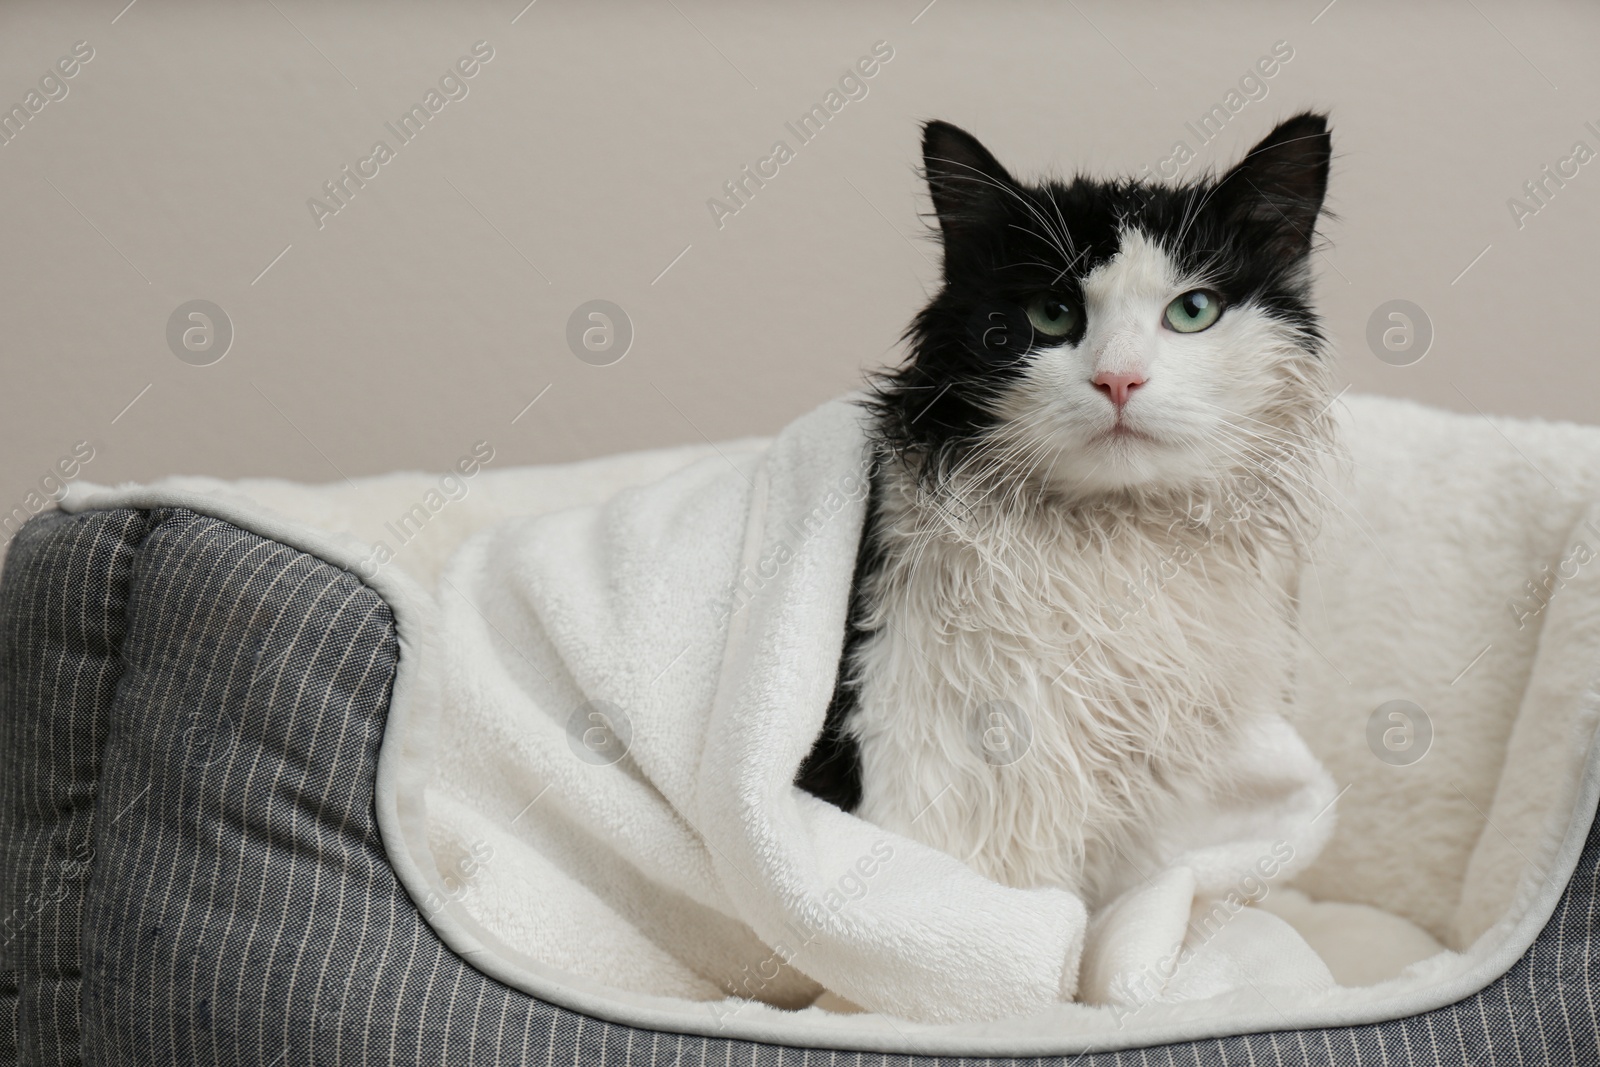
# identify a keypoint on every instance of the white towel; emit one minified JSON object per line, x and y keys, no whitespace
{"x":706,"y":611}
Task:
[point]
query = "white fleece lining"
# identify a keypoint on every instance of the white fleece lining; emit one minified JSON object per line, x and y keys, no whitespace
{"x":403,"y":773}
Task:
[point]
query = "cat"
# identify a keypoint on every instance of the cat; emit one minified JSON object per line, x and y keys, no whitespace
{"x":1094,"y":476}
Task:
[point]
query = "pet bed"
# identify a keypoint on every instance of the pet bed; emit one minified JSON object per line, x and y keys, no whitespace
{"x":205,"y":850}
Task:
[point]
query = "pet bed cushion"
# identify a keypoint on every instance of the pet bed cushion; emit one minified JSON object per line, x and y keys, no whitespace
{"x":1560,"y":455}
{"x":112,"y":798}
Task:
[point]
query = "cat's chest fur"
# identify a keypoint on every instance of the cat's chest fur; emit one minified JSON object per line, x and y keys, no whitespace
{"x":1040,"y":686}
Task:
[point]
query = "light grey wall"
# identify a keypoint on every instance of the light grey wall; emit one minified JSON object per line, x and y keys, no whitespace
{"x":430,"y":310}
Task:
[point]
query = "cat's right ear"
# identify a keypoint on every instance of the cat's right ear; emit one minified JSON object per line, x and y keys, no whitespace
{"x":967,"y":183}
{"x":1278,"y":188}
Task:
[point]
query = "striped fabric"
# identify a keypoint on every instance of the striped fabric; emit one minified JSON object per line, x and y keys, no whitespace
{"x":191,"y":873}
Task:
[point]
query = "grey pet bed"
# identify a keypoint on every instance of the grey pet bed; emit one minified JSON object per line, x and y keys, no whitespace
{"x":180,"y":886}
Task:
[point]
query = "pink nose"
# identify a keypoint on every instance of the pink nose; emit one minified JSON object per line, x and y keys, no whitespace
{"x":1118,"y":387}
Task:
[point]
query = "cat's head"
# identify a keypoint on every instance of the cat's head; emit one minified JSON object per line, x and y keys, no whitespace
{"x":1104,"y":337}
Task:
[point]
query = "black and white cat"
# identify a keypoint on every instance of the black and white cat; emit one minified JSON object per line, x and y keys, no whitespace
{"x":1094,"y":476}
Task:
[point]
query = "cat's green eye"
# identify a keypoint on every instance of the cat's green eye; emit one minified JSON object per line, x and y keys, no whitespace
{"x":1052,"y":314}
{"x":1194,"y":311}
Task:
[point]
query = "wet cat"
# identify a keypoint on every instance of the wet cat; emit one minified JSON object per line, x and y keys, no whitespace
{"x":1093,"y":476}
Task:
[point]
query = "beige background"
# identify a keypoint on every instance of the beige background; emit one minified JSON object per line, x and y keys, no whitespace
{"x":427,"y":313}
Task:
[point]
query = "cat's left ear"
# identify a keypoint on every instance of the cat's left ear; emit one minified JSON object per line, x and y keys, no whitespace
{"x":1277,"y":189}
